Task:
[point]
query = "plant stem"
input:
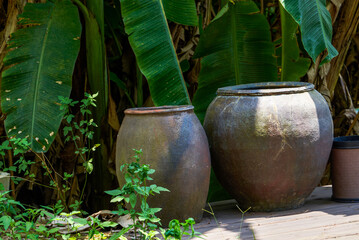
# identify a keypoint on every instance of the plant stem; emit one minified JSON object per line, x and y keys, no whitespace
{"x":243,"y":212}
{"x":139,"y":86}
{"x":83,"y":9}
{"x":11,"y":174}
{"x":83,"y":188}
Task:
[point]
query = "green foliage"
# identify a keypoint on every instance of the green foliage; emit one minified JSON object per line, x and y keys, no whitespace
{"x":177,"y":230}
{"x":96,"y":52}
{"x":237,"y":49}
{"x":150,"y":39}
{"x":181,"y":11}
{"x":315,"y":25}
{"x":85,"y":127}
{"x":17,"y":221}
{"x":293,"y":66}
{"x":41,"y":62}
{"x":135,"y":192}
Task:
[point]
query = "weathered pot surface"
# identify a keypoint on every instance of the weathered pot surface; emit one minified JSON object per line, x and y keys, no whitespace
{"x":175,"y":145}
{"x":5,"y":180}
{"x":345,"y":168}
{"x":269,"y":142}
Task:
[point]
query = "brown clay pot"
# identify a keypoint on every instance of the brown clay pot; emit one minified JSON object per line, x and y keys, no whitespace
{"x":175,"y":145}
{"x":269,"y":142}
{"x":345,"y":169}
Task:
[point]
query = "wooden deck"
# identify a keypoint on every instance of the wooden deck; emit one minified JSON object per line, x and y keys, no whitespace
{"x":320,"y":218}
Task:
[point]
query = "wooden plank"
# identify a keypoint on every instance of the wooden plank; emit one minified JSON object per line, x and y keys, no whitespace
{"x":320,"y":218}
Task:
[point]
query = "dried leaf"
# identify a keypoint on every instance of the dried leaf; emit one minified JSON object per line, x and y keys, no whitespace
{"x":112,"y":115}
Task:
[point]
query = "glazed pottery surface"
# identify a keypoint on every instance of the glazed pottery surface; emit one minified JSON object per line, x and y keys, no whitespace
{"x":269,"y":142}
{"x":345,"y":169}
{"x":175,"y":145}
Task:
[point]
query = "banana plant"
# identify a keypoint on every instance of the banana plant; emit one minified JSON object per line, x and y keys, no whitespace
{"x":40,"y":64}
{"x":146,"y":24}
{"x":181,"y":11}
{"x":292,"y":65}
{"x":236,"y":48}
{"x":315,"y":25}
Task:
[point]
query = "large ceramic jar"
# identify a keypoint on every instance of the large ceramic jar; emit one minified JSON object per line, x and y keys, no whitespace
{"x":174,"y":143}
{"x":269,"y":142}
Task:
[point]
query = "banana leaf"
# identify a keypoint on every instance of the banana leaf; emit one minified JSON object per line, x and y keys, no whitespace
{"x":146,"y":24}
{"x":236,"y":48}
{"x":293,"y":66}
{"x":96,"y":56}
{"x":40,"y":65}
{"x":315,"y":25}
{"x":181,"y":11}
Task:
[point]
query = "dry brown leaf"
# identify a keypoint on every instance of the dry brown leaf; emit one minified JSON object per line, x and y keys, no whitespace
{"x":112,"y":115}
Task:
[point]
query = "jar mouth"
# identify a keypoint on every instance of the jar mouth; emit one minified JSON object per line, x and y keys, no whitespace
{"x":265,"y":88}
{"x":347,"y":142}
{"x":158,"y":110}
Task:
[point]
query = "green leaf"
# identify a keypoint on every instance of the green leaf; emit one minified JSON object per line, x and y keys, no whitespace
{"x":114,"y":192}
{"x":28,"y":226}
{"x":6,"y":221}
{"x":118,"y":199}
{"x":119,"y":234}
{"x":315,"y":24}
{"x":81,"y":221}
{"x":118,"y":81}
{"x":155,"y":210}
{"x":41,"y":63}
{"x":96,"y":55}
{"x":293,"y":66}
{"x":53,"y":230}
{"x":149,"y":36}
{"x":237,"y":48}
{"x":133,"y":200}
{"x":185,"y":66}
{"x":41,"y":228}
{"x":181,"y":11}
{"x":157,"y":189}
{"x":109,"y":224}
{"x":155,"y":219}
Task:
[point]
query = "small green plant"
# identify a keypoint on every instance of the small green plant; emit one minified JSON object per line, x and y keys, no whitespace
{"x":212,"y":213}
{"x":177,"y":230}
{"x":136,"y":191}
{"x":18,"y":221}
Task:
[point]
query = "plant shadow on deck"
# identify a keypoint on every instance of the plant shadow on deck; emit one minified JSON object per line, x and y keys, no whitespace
{"x":319,"y":218}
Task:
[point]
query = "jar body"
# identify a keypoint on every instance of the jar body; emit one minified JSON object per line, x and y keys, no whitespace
{"x":174,"y":144}
{"x":344,"y":169}
{"x":269,"y":142}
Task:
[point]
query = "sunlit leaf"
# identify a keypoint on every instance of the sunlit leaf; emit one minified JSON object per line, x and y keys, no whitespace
{"x":149,"y":36}
{"x":315,"y":24}
{"x":237,"y":48}
{"x":41,"y":61}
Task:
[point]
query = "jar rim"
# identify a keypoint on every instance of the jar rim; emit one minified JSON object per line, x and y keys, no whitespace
{"x":346,"y":142}
{"x":265,"y":88}
{"x":159,"y":110}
